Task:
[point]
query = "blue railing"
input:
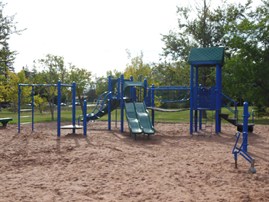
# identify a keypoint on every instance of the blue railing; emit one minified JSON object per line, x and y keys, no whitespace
{"x":101,"y":102}
{"x":228,"y":102}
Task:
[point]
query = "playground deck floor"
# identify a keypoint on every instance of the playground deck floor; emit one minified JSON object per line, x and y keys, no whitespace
{"x":111,"y":166}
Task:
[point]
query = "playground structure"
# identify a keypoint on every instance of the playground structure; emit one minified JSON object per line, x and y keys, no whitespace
{"x":122,"y":91}
{"x":130,"y":97}
{"x":135,"y":97}
{"x":59,"y":85}
{"x":204,"y":98}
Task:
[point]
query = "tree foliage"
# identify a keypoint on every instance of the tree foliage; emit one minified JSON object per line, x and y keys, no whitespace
{"x":244,"y":34}
{"x":7,"y":28}
{"x":83,"y":78}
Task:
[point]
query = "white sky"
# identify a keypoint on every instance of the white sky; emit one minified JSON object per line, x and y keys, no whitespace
{"x":92,"y":34}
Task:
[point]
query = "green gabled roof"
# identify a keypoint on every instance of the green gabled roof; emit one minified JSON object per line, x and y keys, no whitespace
{"x":133,"y":83}
{"x":206,"y":56}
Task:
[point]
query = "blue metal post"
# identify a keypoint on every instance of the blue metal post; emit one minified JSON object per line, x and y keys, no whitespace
{"x":196,"y":120}
{"x":73,"y":106}
{"x":152,"y":104}
{"x":218,"y":99}
{"x":245,"y":127}
{"x":59,"y":109}
{"x":118,"y":88}
{"x":33,"y":107}
{"x":19,"y":108}
{"x":191,"y":99}
{"x":132,"y":90}
{"x":84,"y":118}
{"x":121,"y":103}
{"x":200,"y":119}
{"x":109,"y":102}
{"x":145,"y":91}
{"x":196,"y":87}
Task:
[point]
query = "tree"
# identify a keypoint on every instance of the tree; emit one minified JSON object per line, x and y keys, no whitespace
{"x":7,"y":28}
{"x":138,"y":69}
{"x":82,"y":77}
{"x":10,"y":91}
{"x":52,"y":70}
{"x":171,"y":74}
{"x":207,"y":29}
{"x":249,"y":61}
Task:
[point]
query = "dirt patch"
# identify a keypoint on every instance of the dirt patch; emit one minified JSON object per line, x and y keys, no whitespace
{"x":111,"y":166}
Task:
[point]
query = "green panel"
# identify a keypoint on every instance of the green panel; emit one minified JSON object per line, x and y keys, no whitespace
{"x":206,"y":56}
{"x":132,"y":83}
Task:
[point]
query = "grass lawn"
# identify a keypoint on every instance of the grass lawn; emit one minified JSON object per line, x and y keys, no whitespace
{"x":182,"y":116}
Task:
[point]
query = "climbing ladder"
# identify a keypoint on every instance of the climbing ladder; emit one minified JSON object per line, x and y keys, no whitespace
{"x":208,"y":123}
{"x":231,"y":105}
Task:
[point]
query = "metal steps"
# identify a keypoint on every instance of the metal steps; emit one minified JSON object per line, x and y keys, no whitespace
{"x":234,"y":122}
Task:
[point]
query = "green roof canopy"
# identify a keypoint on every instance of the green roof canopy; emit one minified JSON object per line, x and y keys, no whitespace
{"x":132,"y":84}
{"x":206,"y":56}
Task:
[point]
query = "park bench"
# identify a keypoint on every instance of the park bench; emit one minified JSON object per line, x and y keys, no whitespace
{"x":4,"y":121}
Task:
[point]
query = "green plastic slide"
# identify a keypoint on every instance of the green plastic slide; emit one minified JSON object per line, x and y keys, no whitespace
{"x":144,"y":119}
{"x":133,"y":123}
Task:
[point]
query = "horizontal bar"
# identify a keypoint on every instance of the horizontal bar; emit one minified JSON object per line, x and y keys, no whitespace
{"x":45,"y":85}
{"x":171,"y":88}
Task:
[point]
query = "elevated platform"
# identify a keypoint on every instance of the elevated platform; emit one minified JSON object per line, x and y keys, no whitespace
{"x":72,"y":127}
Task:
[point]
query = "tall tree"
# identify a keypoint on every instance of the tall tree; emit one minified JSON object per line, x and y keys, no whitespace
{"x":138,"y":69}
{"x":201,"y":27}
{"x":249,"y":61}
{"x":83,"y":79}
{"x":7,"y":28}
{"x":52,"y":70}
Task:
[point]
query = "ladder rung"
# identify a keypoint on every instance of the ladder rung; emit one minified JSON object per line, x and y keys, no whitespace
{"x":25,"y":123}
{"x":25,"y":110}
{"x":25,"y":116}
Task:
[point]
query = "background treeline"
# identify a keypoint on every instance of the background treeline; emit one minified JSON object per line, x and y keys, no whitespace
{"x":242,"y":29}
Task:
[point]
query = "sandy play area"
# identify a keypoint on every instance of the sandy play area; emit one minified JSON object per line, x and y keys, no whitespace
{"x":111,"y":166}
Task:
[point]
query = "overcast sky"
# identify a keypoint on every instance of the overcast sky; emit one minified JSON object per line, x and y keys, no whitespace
{"x":92,"y":34}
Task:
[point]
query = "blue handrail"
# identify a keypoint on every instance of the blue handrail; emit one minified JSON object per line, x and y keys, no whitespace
{"x":227,"y":106}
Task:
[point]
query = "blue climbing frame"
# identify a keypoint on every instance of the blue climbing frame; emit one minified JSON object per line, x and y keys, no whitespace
{"x":59,"y":85}
{"x":150,"y":100}
{"x":203,"y":98}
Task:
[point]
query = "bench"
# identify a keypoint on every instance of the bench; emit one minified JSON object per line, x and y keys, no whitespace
{"x":4,"y":121}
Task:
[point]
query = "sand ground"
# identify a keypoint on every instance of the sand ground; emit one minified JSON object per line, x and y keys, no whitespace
{"x":111,"y":166}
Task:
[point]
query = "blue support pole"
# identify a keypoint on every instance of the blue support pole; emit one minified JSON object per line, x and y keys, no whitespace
{"x":109,"y":101}
{"x":218,"y":99}
{"x":19,"y":108}
{"x":245,"y":127}
{"x":196,"y":86}
{"x":59,"y":109}
{"x":85,"y":118}
{"x":200,"y":119}
{"x":33,"y":107}
{"x":73,"y":106}
{"x":132,"y":90}
{"x":195,"y":120}
{"x":145,"y":91}
{"x":121,"y":103}
{"x":118,"y":89}
{"x":191,"y":99}
{"x":152,"y":104}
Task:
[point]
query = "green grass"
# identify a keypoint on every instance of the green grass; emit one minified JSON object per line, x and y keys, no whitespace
{"x":180,"y":117}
